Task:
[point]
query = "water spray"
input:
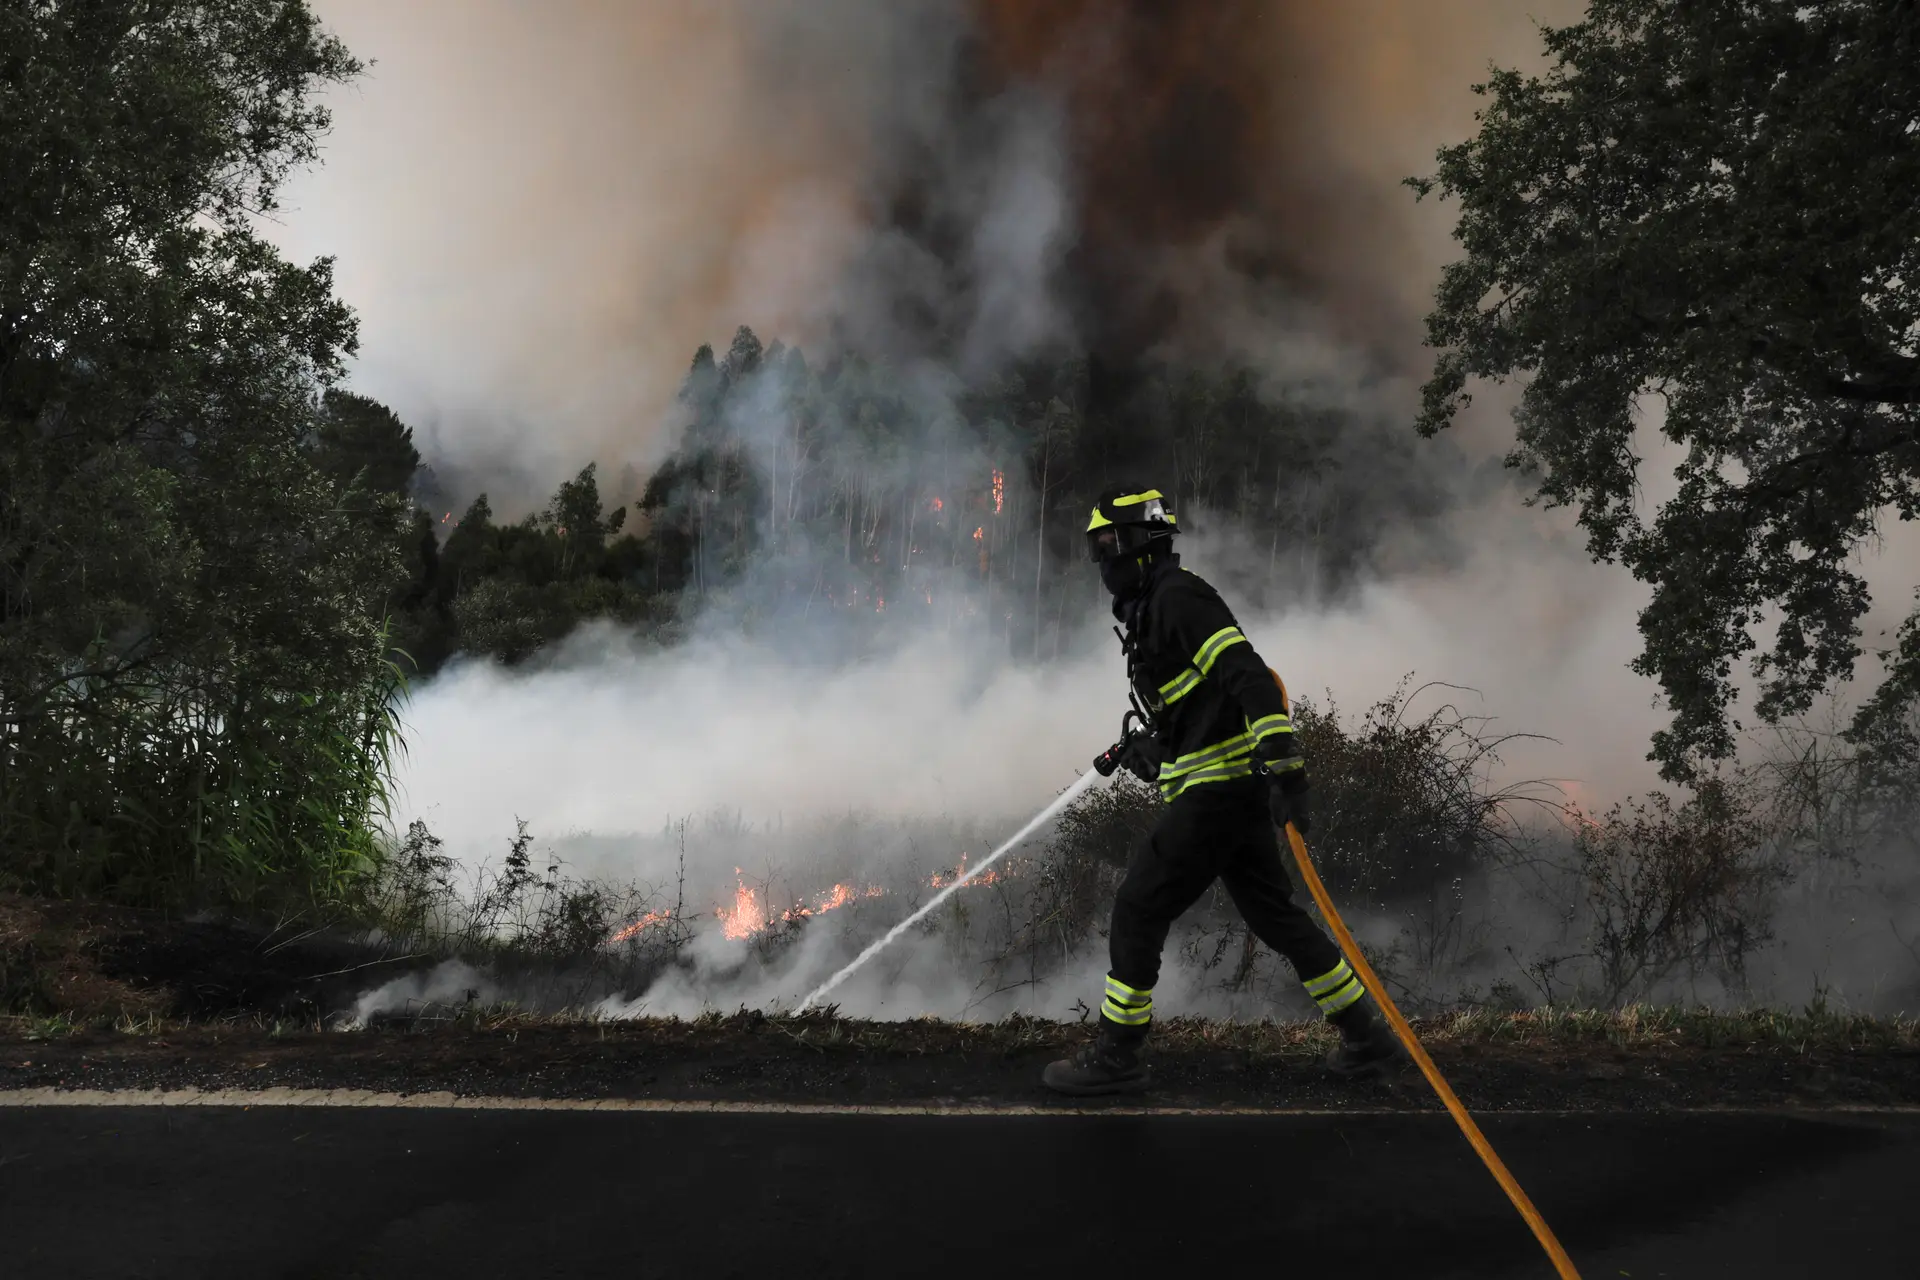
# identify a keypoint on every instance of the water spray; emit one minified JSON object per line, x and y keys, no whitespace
{"x":1040,"y":819}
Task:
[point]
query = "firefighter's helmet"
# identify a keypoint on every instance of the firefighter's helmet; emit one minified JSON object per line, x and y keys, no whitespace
{"x":1128,"y":520}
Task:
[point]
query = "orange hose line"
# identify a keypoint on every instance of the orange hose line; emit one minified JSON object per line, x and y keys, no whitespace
{"x":1542,"y":1232}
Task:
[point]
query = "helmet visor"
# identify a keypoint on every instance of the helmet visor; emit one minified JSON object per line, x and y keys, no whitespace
{"x":1103,"y":543}
{"x":1113,"y":540}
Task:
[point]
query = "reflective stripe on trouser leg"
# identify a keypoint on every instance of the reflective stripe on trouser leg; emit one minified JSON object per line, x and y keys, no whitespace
{"x":1125,"y":1005}
{"x":1335,"y":989}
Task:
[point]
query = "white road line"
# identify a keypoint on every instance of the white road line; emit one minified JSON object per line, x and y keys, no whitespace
{"x":444,"y":1101}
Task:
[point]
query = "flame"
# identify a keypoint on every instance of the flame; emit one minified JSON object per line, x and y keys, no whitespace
{"x":879,"y":604}
{"x":748,"y":917}
{"x":446,"y":517}
{"x":645,"y":922}
{"x":980,"y":533}
{"x":999,"y":490}
{"x":939,"y":505}
{"x":941,"y":881}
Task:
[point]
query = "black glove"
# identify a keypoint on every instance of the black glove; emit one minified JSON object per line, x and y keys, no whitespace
{"x":1137,"y":753}
{"x":1288,"y":799}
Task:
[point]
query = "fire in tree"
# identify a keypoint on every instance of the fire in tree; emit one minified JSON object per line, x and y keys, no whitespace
{"x":999,"y":490}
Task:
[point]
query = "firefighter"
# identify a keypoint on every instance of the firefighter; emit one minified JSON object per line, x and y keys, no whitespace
{"x":1220,"y":746}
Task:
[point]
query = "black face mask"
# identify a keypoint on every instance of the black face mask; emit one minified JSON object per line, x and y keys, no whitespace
{"x":1124,"y":576}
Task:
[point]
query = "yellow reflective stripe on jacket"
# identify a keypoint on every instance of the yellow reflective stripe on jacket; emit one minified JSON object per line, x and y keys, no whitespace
{"x":1201,"y":664}
{"x":1219,"y":640}
{"x":1239,"y":744}
{"x":1266,"y":726}
{"x":1239,"y":767}
{"x":1180,"y":686}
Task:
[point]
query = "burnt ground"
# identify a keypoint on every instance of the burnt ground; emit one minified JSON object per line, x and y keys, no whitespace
{"x":821,"y":1060}
{"x":97,"y":998}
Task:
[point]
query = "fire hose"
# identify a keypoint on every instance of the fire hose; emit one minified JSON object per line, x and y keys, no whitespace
{"x":1541,"y":1231}
{"x":1105,"y":766}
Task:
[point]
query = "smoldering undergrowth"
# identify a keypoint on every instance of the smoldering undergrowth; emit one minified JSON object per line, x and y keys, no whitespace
{"x":1464,"y":893}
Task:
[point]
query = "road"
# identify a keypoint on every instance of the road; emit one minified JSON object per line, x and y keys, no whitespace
{"x":282,"y":1191}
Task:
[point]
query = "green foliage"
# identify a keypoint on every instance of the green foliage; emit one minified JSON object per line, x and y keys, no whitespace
{"x":1710,"y":203}
{"x":508,"y":591}
{"x":193,"y":699}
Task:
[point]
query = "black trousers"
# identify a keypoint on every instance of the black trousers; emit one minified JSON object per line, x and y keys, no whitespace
{"x":1216,"y":830}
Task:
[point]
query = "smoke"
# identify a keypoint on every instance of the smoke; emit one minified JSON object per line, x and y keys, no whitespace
{"x":540,"y":211}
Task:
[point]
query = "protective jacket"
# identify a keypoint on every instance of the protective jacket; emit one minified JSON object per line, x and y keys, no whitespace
{"x":1213,"y":705}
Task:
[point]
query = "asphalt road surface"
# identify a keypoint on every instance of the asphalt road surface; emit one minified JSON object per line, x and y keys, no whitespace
{"x":311,"y":1192}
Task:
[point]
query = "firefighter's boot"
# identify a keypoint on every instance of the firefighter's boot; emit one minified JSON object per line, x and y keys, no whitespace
{"x":1368,"y":1045}
{"x":1109,"y":1063}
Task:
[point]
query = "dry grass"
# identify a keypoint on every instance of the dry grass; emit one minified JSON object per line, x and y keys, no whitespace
{"x":1638,"y":1029}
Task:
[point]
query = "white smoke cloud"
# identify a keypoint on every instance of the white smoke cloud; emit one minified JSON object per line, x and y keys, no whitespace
{"x":540,"y":211}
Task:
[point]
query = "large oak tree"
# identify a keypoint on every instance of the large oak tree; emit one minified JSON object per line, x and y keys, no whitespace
{"x":1708,"y":213}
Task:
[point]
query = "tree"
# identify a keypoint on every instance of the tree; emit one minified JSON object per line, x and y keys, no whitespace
{"x":1709,"y":207}
{"x":192,"y":690}
{"x":362,"y":442}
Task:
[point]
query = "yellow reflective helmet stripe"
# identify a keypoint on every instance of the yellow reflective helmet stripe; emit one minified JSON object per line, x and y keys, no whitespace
{"x":1100,"y":521}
